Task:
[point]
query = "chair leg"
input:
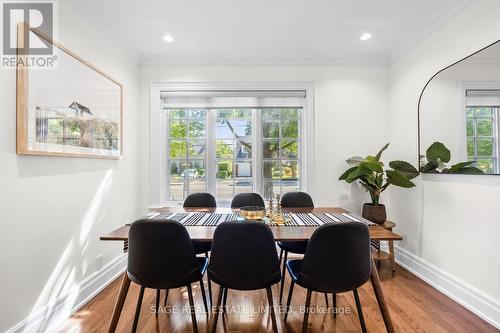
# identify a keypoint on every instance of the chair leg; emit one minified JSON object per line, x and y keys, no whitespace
{"x":210,"y":290}
{"x":213,"y":327}
{"x":281,"y":255}
{"x":203,"y":295}
{"x":289,"y":300}
{"x":191,"y":305}
{"x":138,"y":309}
{"x":334,"y":305}
{"x":206,"y":254}
{"x":166,"y":296}
{"x":271,"y":305}
{"x":360,"y":312}
{"x":225,"y":301}
{"x":306,"y":312}
{"x":326,"y":300}
{"x":283,"y":276}
{"x":157,"y":302}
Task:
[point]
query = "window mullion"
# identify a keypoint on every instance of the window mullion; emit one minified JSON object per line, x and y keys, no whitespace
{"x":210,"y":160}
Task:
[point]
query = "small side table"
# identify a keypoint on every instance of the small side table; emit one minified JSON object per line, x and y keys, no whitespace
{"x":380,"y":255}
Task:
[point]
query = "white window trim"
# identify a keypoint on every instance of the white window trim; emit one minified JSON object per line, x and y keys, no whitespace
{"x":478,"y":85}
{"x":158,"y":134}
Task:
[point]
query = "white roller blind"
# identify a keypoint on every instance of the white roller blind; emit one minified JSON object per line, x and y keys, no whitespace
{"x":220,"y":99}
{"x":487,"y":97}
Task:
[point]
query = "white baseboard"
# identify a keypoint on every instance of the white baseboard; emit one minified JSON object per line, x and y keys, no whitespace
{"x":473,"y":299}
{"x":51,"y":316}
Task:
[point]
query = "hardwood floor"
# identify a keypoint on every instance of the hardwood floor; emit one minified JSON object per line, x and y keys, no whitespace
{"x":415,"y":307}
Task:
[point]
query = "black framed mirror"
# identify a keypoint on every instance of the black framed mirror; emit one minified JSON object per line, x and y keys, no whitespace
{"x":459,"y":116}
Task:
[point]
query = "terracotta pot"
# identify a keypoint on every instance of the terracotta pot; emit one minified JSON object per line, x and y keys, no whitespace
{"x":374,"y":212}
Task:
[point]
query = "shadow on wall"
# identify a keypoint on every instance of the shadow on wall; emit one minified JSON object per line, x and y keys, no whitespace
{"x":40,"y":166}
{"x":354,"y":201}
{"x":61,"y":290}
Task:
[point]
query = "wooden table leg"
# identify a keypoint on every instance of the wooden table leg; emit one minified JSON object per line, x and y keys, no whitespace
{"x":119,"y":303}
{"x":391,"y":250}
{"x":377,"y":288}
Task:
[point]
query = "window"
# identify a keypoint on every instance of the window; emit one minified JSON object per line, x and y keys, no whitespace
{"x":225,"y":143}
{"x":481,"y":116}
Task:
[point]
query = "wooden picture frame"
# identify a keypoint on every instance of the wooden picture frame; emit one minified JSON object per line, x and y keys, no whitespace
{"x":73,"y":110}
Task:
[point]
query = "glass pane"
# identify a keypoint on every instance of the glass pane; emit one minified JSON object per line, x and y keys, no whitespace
{"x":177,"y":149}
{"x":270,"y":148}
{"x":484,"y":147}
{"x":177,"y":169}
{"x":271,"y":187}
{"x":224,"y":170}
{"x":470,"y":147}
{"x":483,"y":112}
{"x":290,"y":129}
{"x":197,"y":186}
{"x":176,"y":113}
{"x":271,"y":169}
{"x":242,"y":169}
{"x":196,"y":148}
{"x":290,"y":186}
{"x":470,"y":127}
{"x":290,"y":113}
{"x":270,"y":113}
{"x":469,"y":112}
{"x":234,"y":113}
{"x":486,"y":165}
{"x":243,"y":149}
{"x":196,"y":129}
{"x":196,"y":169}
{"x":224,"y":188}
{"x":197,"y":113}
{"x":224,"y":149}
{"x":243,"y":185}
{"x":223,"y":130}
{"x":241,"y":128}
{"x":289,"y":149}
{"x":484,"y":127}
{"x":271,"y":129}
{"x":290,"y":170}
{"x":178,"y":129}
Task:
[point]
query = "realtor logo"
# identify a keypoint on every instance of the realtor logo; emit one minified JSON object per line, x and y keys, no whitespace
{"x":33,"y":51}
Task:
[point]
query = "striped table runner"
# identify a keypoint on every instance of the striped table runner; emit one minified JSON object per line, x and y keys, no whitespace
{"x":292,"y":219}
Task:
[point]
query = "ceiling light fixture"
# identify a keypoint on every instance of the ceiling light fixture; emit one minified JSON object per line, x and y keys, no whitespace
{"x":366,"y":36}
{"x":168,"y":38}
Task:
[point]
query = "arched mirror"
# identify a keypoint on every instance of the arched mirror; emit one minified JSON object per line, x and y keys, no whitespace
{"x":459,"y":116}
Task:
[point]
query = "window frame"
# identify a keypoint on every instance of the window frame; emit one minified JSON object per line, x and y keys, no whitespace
{"x":158,"y":125}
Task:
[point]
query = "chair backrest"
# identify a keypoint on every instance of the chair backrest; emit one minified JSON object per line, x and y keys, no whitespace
{"x":296,"y":199}
{"x":244,"y":256}
{"x":200,"y":200}
{"x":161,"y":255}
{"x":247,"y":199}
{"x":337,"y":258}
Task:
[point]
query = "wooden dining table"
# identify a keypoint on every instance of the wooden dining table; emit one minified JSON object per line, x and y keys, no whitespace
{"x":280,"y":232}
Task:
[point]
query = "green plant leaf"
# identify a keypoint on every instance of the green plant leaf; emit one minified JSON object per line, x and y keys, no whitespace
{"x":438,"y":151}
{"x":470,"y":171}
{"x":373,"y":166}
{"x":379,"y":154}
{"x":347,"y":172}
{"x":398,"y":179}
{"x":405,"y":168}
{"x":429,"y":167}
{"x":457,"y":167}
{"x":355,"y":160}
{"x":358,"y":173}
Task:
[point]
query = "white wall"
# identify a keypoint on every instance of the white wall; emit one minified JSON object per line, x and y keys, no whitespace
{"x":450,"y":224}
{"x":52,"y":210}
{"x":350,"y":115}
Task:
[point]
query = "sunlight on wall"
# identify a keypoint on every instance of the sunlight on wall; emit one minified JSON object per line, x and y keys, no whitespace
{"x":60,"y":291}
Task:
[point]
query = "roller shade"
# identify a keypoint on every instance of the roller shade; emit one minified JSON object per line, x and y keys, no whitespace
{"x":483,"y":97}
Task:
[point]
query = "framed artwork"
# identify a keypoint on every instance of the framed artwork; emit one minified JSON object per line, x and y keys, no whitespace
{"x":71,"y":110}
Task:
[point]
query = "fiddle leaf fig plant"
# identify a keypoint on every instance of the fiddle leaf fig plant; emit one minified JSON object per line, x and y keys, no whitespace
{"x":436,"y":157}
{"x":370,"y":173}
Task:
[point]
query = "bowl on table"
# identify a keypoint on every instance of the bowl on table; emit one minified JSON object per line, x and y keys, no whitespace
{"x":252,"y":212}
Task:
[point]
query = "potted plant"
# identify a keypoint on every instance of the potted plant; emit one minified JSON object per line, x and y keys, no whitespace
{"x":370,"y":173}
{"x":436,"y":157}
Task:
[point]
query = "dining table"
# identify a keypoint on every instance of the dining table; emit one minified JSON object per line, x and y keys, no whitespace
{"x":286,"y":232}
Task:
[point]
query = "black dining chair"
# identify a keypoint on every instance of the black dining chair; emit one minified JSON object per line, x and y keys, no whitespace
{"x":200,"y":200}
{"x":294,"y":200}
{"x":161,"y":256}
{"x":247,"y":199}
{"x":244,"y":257}
{"x":337,"y":260}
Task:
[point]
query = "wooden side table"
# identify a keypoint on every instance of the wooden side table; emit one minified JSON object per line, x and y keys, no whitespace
{"x":380,"y":255}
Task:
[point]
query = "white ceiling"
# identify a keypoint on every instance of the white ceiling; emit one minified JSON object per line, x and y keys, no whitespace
{"x":267,"y":31}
